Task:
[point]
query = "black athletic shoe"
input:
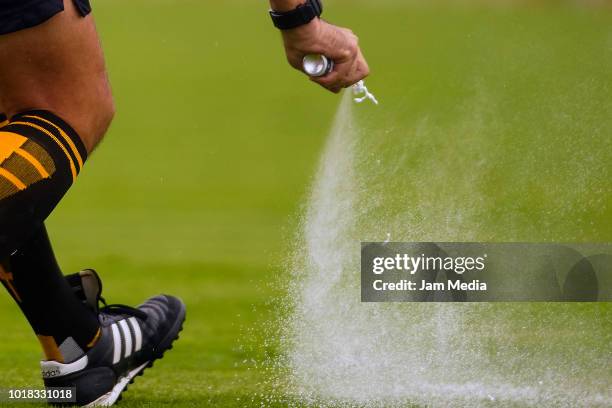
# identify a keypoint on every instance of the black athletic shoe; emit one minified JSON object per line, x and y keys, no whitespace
{"x":130,"y":340}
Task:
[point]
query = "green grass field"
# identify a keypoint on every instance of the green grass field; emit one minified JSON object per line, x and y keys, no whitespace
{"x":198,"y":187}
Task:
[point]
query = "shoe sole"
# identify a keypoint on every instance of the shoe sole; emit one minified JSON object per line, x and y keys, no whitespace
{"x":114,"y":395}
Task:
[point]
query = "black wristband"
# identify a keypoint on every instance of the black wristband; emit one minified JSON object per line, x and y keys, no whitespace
{"x":299,"y":16}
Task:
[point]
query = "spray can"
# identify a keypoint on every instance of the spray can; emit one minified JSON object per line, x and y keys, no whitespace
{"x":316,"y":65}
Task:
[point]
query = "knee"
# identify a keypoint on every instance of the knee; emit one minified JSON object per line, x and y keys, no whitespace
{"x":89,"y":114}
{"x":92,"y":116}
{"x":101,"y":119}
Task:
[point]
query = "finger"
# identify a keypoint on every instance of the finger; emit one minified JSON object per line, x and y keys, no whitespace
{"x":362,"y":66}
{"x":348,"y":77}
{"x":359,"y":71}
{"x":344,"y":47}
{"x":295,"y":60}
{"x":328,"y":80}
{"x":334,"y":89}
{"x":337,"y":77}
{"x":330,"y":87}
{"x":354,"y":71}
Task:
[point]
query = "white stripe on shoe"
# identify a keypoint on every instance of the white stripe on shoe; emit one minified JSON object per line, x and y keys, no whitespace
{"x":117,"y":343}
{"x":127,"y":337}
{"x":137,"y":333}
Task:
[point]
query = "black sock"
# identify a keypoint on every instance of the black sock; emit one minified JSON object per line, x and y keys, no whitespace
{"x":65,"y":327}
{"x":40,"y":157}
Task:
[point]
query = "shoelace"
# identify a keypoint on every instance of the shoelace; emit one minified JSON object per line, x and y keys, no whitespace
{"x":119,"y":309}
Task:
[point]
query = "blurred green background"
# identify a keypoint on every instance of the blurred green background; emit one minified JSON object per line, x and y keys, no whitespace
{"x":197,"y":189}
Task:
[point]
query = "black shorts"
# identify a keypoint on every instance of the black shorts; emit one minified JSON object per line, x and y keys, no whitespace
{"x":16,"y":15}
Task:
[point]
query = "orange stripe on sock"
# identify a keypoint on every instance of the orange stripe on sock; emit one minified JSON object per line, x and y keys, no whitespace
{"x":4,"y":123}
{"x":9,"y":142}
{"x":12,"y":178}
{"x":95,"y":339}
{"x":50,"y":348}
{"x":7,"y":278}
{"x":56,"y":140}
{"x":65,"y":136}
{"x":41,"y":170}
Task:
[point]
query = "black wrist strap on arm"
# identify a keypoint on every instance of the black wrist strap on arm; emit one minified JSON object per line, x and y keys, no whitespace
{"x":299,"y":16}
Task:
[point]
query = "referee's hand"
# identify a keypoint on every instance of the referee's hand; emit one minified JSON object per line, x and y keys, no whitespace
{"x":339,"y":44}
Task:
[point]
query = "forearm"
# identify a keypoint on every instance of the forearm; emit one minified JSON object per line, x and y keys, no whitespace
{"x":285,"y":5}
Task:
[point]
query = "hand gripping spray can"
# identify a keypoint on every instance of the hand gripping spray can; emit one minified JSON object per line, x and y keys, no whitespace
{"x":316,"y":65}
